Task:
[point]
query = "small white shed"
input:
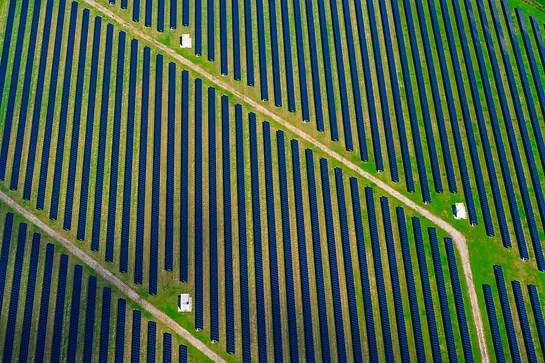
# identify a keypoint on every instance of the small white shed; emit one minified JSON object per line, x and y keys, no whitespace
{"x":185,"y":303}
{"x":460,"y":211}
{"x":186,"y":41}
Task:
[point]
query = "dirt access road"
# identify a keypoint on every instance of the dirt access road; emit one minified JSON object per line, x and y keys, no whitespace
{"x":457,"y":236}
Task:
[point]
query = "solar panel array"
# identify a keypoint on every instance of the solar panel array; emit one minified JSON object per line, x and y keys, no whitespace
{"x":49,"y":315}
{"x":524,"y":315}
{"x":423,"y":98}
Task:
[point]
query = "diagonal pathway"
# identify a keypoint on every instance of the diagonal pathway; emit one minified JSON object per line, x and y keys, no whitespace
{"x":457,"y":236}
{"x":105,"y":273}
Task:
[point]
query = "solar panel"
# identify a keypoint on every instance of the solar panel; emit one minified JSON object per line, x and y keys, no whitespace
{"x":300,"y":55}
{"x":129,"y":156}
{"x":136,"y":10}
{"x":273,"y":35}
{"x":198,"y":193}
{"x":316,"y":245}
{"x":183,"y":353}
{"x":185,"y":13}
{"x":61,"y":136}
{"x":213,"y":217}
{"x":87,"y":151}
{"x":74,"y":314}
{"x":184,"y":218}
{"x":6,"y":46}
{"x":102,"y":139}
{"x":155,"y":191}
{"x":227,"y":218}
{"x":173,"y":12}
{"x":59,"y":310}
{"x":198,"y":27}
{"x":167,"y":348}
{"x":286,"y":39}
{"x":161,"y":15}
{"x":149,"y":8}
{"x":120,"y":330}
{"x":142,"y":171}
{"x":262,"y":50}
{"x":301,"y":247}
{"x":169,"y":225}
{"x":248,"y":26}
{"x":152,"y":343}
{"x":135,"y":336}
{"x":236,"y":39}
{"x":90,"y":319}
{"x":223,"y":37}
{"x":105,"y":325}
{"x":258,"y":243}
{"x":210,"y":28}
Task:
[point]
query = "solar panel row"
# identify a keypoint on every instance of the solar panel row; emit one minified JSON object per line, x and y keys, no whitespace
{"x":105,"y":325}
{"x":301,"y":247}
{"x":199,"y":228}
{"x":84,"y":191}
{"x":228,"y":232}
{"x":156,"y":183}
{"x":116,"y":139}
{"x":271,"y":235}
{"x":74,"y":314}
{"x":142,"y":171}
{"x":170,"y":184}
{"x":103,"y":129}
{"x":258,"y":244}
{"x":44,"y":304}
{"x":90,"y":319}
{"x":317,"y":251}
{"x":129,"y":156}
{"x":184,"y":217}
{"x":213,"y":217}
{"x":120,"y":330}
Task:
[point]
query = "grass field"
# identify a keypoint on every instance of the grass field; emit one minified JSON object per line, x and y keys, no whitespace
{"x":174,"y":224}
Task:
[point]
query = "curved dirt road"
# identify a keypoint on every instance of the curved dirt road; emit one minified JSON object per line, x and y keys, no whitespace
{"x":105,"y":273}
{"x":457,"y":237}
